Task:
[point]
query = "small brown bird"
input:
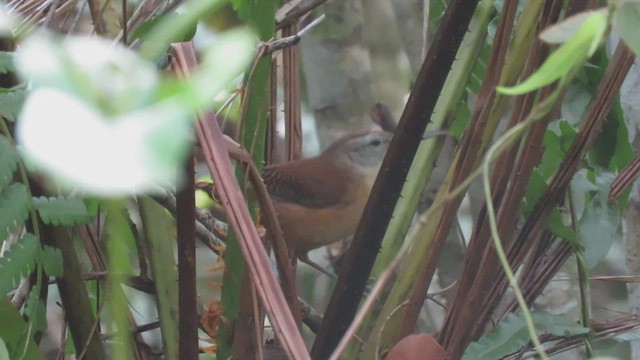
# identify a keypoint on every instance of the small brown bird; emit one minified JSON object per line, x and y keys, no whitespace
{"x":320,"y":200}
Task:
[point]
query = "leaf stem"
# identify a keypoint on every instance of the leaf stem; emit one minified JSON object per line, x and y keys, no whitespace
{"x":583,"y":274}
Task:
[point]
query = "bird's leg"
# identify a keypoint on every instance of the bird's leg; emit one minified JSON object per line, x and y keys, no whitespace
{"x":304,"y":257}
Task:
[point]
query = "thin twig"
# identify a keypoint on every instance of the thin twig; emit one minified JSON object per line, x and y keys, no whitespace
{"x":583,"y":273}
{"x":207,"y":227}
{"x":625,"y":178}
{"x":288,"y":41}
{"x":52,"y":9}
{"x":92,"y":333}
{"x":391,"y":314}
{"x":63,"y":339}
{"x":125,"y":35}
{"x":292,"y":11}
{"x":211,"y":140}
{"x":136,"y":330}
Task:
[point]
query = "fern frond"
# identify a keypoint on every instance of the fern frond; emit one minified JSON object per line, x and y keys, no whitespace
{"x":14,"y":208}
{"x":35,"y":311}
{"x":52,"y":261}
{"x":8,"y":161}
{"x":17,"y":262}
{"x":61,"y":210}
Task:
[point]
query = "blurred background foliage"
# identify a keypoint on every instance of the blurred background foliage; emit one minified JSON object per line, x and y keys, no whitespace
{"x":95,"y":133}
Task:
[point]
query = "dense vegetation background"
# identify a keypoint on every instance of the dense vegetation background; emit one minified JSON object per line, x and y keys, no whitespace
{"x":515,"y":235}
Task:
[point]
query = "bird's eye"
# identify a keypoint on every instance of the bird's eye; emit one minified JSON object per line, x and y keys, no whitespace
{"x":375,"y":142}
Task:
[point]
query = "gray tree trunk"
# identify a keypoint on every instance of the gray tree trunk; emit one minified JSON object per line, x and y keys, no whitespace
{"x":337,"y":70}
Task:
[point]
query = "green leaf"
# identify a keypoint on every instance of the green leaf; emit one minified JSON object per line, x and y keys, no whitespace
{"x":461,"y":120}
{"x":114,"y":155}
{"x":52,"y":261}
{"x":552,"y":156}
{"x":135,"y":131}
{"x":612,"y":149}
{"x":8,"y":161}
{"x":567,"y":135}
{"x":61,"y":210}
{"x":11,"y":332}
{"x":535,"y":188}
{"x":258,"y":14}
{"x":216,"y":72}
{"x":14,"y":208}
{"x":479,"y":69}
{"x":577,"y":97}
{"x":625,"y":21}
{"x":511,"y":334}
{"x":6,"y":62}
{"x":17,"y":262}
{"x":36,"y":311}
{"x":141,"y":31}
{"x":146,"y":29}
{"x":582,"y":188}
{"x":4,"y":352}
{"x":175,"y":26}
{"x":572,"y":53}
{"x":109,"y":77}
{"x":556,"y":226}
{"x":11,"y":103}
{"x":598,"y":225}
{"x":562,"y":31}
{"x":159,"y":240}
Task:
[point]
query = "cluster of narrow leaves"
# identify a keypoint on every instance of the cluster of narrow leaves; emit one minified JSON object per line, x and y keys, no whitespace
{"x":25,"y":255}
{"x":22,"y":252}
{"x":588,"y":221}
{"x":15,"y":208}
{"x":595,"y":219}
{"x":509,"y":336}
{"x":98,"y":119}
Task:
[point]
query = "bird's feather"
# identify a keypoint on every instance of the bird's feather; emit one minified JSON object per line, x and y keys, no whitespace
{"x":317,"y":187}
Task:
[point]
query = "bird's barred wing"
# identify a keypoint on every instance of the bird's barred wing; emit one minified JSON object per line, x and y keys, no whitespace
{"x":310,"y":189}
